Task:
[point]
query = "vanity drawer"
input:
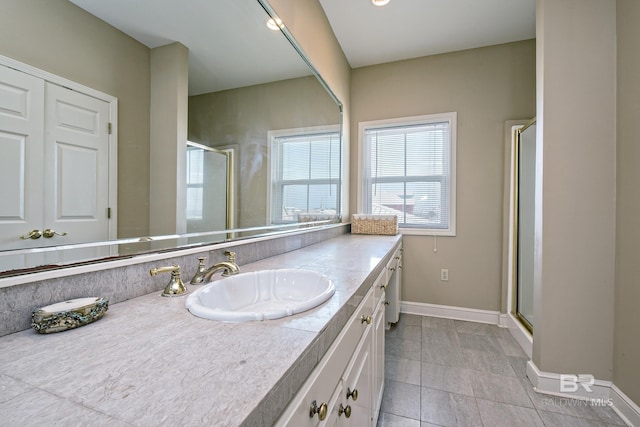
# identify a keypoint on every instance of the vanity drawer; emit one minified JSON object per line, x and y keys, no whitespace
{"x":355,"y":328}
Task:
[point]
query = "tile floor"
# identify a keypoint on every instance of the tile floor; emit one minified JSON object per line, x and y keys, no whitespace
{"x":443,"y":372}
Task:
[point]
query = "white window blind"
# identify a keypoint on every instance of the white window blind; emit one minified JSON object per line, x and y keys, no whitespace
{"x":305,"y":176}
{"x":408,"y":172}
{"x":195,"y":183}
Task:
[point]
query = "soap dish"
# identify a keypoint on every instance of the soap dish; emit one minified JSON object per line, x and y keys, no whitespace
{"x":68,"y":314}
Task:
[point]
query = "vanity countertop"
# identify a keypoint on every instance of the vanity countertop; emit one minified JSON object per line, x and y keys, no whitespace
{"x":148,"y":361}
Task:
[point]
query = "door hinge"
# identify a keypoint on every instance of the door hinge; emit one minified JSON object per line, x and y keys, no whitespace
{"x":108,"y":213}
{"x":109,"y":128}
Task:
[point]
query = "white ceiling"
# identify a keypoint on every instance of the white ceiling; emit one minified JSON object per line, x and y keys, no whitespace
{"x":406,"y":29}
{"x":228,"y":40}
{"x":230,"y":46}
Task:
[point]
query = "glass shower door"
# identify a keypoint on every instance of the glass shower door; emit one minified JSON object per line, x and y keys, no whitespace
{"x":208,"y":190}
{"x":526,"y":155}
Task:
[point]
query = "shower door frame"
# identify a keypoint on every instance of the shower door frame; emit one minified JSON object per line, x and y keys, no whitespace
{"x":515,"y":236}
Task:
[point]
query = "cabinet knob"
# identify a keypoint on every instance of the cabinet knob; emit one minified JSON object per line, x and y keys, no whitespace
{"x":365,"y":319}
{"x":320,"y":410}
{"x":392,"y":269}
{"x":387,"y":302}
{"x":344,"y":410}
{"x":384,"y":286}
{"x":352,"y":394}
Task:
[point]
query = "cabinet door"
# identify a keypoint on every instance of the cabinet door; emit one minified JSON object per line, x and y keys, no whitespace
{"x":378,"y":358}
{"x":357,"y":389}
{"x":394,"y":286}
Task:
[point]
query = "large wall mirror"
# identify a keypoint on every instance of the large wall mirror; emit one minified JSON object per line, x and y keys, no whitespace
{"x":247,"y":100}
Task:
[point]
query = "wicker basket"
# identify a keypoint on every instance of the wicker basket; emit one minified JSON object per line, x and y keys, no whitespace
{"x":374,"y":224}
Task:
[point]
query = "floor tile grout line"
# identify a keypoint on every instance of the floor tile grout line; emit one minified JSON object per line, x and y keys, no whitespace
{"x":527,"y":387}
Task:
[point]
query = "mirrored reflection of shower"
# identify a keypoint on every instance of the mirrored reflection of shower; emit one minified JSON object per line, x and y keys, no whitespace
{"x":208,"y":192}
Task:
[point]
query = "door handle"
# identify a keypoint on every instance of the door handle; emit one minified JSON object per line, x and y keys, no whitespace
{"x":33,"y":234}
{"x":49,"y":233}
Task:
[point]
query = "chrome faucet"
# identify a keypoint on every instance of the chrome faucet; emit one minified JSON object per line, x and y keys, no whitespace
{"x":229,"y":268}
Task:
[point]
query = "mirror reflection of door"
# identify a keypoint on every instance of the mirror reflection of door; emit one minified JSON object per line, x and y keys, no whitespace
{"x":21,"y":159}
{"x":54,"y":157}
{"x":208,"y":189}
{"x":526,"y":167}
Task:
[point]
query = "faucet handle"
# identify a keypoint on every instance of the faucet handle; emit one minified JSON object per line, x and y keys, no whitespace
{"x":231,"y":255}
{"x":175,"y":286}
{"x":199,"y":276}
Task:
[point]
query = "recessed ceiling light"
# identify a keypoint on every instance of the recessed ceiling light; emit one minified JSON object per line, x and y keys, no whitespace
{"x":380,"y":2}
{"x":276,"y":24}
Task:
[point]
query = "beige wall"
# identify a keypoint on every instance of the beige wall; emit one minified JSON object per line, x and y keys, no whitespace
{"x":575,"y":194}
{"x":58,"y":37}
{"x":626,"y":354}
{"x":486,"y":87}
{"x":242,"y":117}
{"x":169,"y":102}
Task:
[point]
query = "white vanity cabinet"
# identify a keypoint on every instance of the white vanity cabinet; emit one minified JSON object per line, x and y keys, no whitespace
{"x":318,"y":401}
{"x":345,"y":388}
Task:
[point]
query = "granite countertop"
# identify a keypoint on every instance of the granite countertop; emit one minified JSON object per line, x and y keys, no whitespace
{"x":148,"y":361}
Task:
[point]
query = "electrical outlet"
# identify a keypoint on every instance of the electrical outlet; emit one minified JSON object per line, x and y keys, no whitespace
{"x":444,"y":275}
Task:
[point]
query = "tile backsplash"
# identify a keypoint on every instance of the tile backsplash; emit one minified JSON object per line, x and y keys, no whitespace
{"x":124,"y":282}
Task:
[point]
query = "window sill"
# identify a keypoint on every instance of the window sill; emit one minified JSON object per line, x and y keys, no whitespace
{"x":426,"y":232}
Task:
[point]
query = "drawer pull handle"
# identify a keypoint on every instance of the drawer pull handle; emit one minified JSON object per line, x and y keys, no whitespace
{"x":365,"y":319}
{"x":344,"y":410}
{"x":320,"y":410}
{"x":352,"y":394}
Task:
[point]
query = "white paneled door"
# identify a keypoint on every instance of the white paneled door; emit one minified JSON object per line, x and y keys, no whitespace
{"x":21,"y":157}
{"x":54,"y":163}
{"x":76,"y":154}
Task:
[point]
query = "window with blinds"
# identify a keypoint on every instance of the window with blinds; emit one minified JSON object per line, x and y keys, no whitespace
{"x":305,"y":176}
{"x":195,"y":183}
{"x":409,"y":171}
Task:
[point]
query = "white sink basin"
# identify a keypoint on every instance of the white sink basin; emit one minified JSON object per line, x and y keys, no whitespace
{"x":260,"y":295}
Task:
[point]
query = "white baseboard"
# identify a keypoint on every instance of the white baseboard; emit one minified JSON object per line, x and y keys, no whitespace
{"x":449,"y":312}
{"x":504,"y":320}
{"x":601,"y":393}
{"x":550,"y":383}
{"x":625,"y":407}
